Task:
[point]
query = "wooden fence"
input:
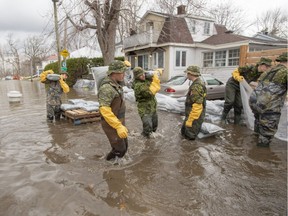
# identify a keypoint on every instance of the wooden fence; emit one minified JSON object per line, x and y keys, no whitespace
{"x":247,"y":58}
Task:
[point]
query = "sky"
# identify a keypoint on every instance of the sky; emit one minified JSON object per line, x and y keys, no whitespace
{"x":27,"y":17}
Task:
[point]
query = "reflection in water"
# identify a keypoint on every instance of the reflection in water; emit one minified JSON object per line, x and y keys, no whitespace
{"x":50,"y":168}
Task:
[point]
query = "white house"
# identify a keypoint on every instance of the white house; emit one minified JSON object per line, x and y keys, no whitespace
{"x":174,"y":42}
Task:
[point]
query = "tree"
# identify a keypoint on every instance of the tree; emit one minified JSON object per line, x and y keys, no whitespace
{"x":13,"y":53}
{"x":229,"y":15}
{"x":35,"y":49}
{"x":102,"y":17}
{"x":194,"y":7}
{"x":273,"y":22}
{"x":129,"y":17}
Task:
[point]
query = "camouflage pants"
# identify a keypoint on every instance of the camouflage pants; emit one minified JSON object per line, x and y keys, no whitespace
{"x":191,"y":133}
{"x":119,"y":145}
{"x":53,"y":111}
{"x":150,"y":123}
{"x":266,"y":124}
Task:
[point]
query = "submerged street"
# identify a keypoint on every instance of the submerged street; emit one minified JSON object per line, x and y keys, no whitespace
{"x":59,"y":169}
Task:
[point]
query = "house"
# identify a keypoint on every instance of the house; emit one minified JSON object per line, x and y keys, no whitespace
{"x":50,"y":59}
{"x":85,"y":52}
{"x":174,"y":42}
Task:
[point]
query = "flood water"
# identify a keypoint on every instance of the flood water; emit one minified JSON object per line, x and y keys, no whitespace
{"x":59,"y":169}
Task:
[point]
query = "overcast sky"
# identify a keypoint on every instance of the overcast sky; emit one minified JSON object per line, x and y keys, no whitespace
{"x":26,"y":17}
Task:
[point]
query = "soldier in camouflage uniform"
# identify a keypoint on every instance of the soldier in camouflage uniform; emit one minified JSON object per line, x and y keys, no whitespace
{"x":112,"y":109}
{"x":232,"y":89}
{"x":56,"y":87}
{"x":145,"y":90}
{"x":195,"y":104}
{"x":267,"y":99}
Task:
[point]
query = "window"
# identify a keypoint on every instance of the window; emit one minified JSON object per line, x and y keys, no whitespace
{"x":180,"y":59}
{"x":158,"y":59}
{"x":212,"y":81}
{"x":208,"y":59}
{"x":220,"y":58}
{"x":207,"y":28}
{"x":149,"y":25}
{"x":192,"y":25}
{"x":143,"y":61}
{"x":233,"y":59}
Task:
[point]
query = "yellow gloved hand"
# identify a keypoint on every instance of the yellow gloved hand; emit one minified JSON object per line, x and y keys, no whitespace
{"x":194,"y":114}
{"x":159,"y":71}
{"x":122,"y":131}
{"x":127,"y":63}
{"x":155,"y":84}
{"x":64,"y":85}
{"x":113,"y":121}
{"x":44,"y":74}
{"x":236,"y":75}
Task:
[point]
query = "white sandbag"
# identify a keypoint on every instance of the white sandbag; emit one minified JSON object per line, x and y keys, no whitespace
{"x":212,"y":108}
{"x":69,"y":107}
{"x":84,"y":83}
{"x":76,"y":101}
{"x":169,"y":104}
{"x":99,"y":73}
{"x":208,"y":129}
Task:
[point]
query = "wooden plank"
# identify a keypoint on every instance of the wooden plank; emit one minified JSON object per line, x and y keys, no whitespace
{"x":79,"y":114}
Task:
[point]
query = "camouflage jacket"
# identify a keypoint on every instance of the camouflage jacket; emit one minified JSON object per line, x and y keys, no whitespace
{"x":196,"y":94}
{"x":146,"y":101}
{"x":54,"y":93}
{"x":269,"y":95}
{"x":250,"y":74}
{"x":108,"y":91}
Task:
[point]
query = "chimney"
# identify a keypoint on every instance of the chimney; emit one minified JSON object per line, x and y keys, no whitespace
{"x":181,"y":9}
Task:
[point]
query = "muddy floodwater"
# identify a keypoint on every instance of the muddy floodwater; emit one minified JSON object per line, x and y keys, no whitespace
{"x":59,"y":169}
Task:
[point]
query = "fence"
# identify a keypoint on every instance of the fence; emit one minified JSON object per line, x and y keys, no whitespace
{"x":253,"y":57}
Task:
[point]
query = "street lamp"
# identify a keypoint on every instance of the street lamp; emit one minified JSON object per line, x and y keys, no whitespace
{"x":57,"y":34}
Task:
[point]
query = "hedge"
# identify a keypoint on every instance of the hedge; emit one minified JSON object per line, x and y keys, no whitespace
{"x":78,"y":67}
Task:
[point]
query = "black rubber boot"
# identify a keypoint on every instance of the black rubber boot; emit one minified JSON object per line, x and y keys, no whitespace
{"x":110,"y":156}
{"x":263,"y":141}
{"x":237,"y":119}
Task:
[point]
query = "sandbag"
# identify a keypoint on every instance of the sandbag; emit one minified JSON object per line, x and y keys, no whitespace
{"x":53,"y":77}
{"x":99,"y":73}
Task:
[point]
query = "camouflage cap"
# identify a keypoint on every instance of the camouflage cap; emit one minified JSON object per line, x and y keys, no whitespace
{"x":265,"y":61}
{"x":282,"y":57}
{"x":64,"y":72}
{"x":137,"y":72}
{"x":193,"y":70}
{"x":116,"y":67}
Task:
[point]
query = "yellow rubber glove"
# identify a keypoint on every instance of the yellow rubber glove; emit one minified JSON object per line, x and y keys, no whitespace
{"x":155,"y":84}
{"x":159,"y":71}
{"x":194,"y":114}
{"x":127,"y":63}
{"x":64,"y":85}
{"x":236,"y":75}
{"x":113,"y":121}
{"x":44,"y":74}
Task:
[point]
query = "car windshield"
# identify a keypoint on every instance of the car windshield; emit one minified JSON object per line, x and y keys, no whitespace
{"x":212,"y":81}
{"x":177,"y":80}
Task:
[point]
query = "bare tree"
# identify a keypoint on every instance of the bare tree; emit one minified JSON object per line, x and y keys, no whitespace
{"x":13,"y":54}
{"x":129,"y":17}
{"x":36,"y":50}
{"x":194,"y":7}
{"x":273,"y":22}
{"x":227,"y":14}
{"x":102,"y":17}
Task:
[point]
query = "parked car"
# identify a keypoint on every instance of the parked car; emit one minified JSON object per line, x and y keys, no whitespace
{"x":178,"y":86}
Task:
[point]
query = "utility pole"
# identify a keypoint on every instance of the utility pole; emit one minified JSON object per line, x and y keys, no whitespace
{"x":57,"y":34}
